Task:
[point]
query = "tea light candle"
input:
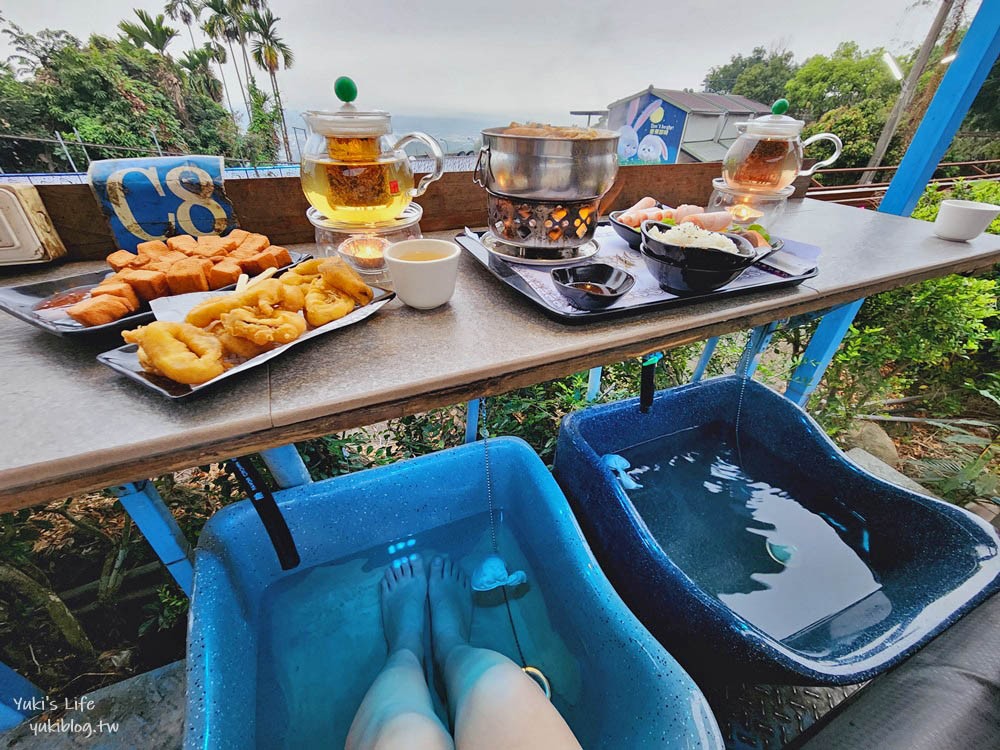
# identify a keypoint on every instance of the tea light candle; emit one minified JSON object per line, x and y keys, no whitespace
{"x":744,"y":214}
{"x":365,"y":251}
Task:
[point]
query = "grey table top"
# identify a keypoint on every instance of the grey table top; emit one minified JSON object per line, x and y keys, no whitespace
{"x":73,"y":425}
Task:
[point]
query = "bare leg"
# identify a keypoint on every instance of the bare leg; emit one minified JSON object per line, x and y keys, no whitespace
{"x":494,"y":705}
{"x":396,"y":712}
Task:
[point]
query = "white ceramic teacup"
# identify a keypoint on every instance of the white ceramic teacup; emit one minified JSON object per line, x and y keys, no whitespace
{"x":963,"y":220}
{"x":423,"y":271}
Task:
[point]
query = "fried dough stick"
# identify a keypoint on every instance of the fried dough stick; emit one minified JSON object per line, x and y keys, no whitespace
{"x":180,"y":351}
{"x":338,"y":275}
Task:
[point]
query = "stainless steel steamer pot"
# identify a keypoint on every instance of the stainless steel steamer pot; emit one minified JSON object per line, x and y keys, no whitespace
{"x":547,"y":169}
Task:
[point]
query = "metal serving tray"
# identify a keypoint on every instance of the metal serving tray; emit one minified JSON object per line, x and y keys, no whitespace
{"x":771,"y":277}
{"x":21,"y":301}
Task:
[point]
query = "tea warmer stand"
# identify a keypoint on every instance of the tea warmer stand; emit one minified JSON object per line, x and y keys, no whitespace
{"x":749,"y":207}
{"x":334,"y":238}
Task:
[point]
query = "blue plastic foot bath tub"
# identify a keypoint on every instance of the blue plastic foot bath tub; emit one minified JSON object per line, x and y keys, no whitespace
{"x":758,"y":552}
{"x":282,"y":659}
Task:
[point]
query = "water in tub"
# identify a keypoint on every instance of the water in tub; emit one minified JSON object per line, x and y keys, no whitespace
{"x":761,"y":551}
{"x":321,"y":641}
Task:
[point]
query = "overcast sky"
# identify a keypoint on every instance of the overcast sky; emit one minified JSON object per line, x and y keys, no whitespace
{"x":519,"y":58}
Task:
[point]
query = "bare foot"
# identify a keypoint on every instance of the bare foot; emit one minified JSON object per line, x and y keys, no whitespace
{"x":451,"y":607}
{"x":404,"y":597}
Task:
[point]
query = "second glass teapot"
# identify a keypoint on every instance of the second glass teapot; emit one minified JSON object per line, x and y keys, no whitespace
{"x":767,"y":155}
{"x":352,"y":172}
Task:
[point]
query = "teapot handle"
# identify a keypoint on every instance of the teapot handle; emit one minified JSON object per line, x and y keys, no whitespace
{"x":436,"y":152}
{"x":838,"y":146}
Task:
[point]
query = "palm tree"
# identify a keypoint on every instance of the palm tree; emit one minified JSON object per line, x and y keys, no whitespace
{"x":155,"y":33}
{"x":149,"y":30}
{"x":184,"y":11}
{"x":240,"y":11}
{"x":198,"y":64}
{"x":219,"y":57}
{"x":220,"y":26}
{"x":270,"y":52}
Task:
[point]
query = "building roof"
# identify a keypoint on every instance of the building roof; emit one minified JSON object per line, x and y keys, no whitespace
{"x":702,"y":103}
{"x":727,"y":103}
{"x":704,"y":150}
{"x":756,"y":107}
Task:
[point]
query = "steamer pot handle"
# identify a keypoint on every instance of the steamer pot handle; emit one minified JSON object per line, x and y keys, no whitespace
{"x":479,"y":173}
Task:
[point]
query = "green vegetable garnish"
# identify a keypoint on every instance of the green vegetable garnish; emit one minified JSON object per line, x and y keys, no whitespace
{"x":760,"y":230}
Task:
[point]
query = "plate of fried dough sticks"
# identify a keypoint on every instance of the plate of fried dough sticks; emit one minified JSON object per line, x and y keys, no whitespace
{"x":199,"y":339}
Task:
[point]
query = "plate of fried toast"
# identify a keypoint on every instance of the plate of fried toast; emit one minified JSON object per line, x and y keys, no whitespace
{"x":108,"y":301}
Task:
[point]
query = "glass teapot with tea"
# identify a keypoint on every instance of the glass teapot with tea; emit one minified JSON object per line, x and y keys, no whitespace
{"x":767,"y":155}
{"x":352,"y":172}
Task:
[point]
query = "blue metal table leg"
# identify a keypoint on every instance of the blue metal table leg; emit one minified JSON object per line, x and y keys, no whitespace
{"x":704,"y":359}
{"x":760,"y":337}
{"x":594,"y":382}
{"x":472,"y":421}
{"x":959,"y":87}
{"x":822,"y":346}
{"x":286,"y":466}
{"x":19,"y":699}
{"x":153,"y":518}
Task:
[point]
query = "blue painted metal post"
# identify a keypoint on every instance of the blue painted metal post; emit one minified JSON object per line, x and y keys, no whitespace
{"x":19,"y":699}
{"x":472,"y":421}
{"x":760,"y":337}
{"x":822,"y":346}
{"x":594,"y":383}
{"x":143,"y":503}
{"x":704,"y":359}
{"x":286,"y":466}
{"x":966,"y":73}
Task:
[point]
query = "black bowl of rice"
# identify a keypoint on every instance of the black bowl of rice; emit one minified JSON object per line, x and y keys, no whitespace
{"x":691,"y":246}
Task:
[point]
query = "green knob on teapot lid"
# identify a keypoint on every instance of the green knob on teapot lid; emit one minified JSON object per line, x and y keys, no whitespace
{"x":779,"y":107}
{"x":346,"y":89}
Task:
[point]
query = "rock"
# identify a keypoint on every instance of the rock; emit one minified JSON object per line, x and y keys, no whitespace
{"x":882,"y":470}
{"x":871,"y":438}
{"x":144,"y":711}
{"x":988,"y":511}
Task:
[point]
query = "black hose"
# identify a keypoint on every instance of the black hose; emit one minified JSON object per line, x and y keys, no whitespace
{"x":647,"y":381}
{"x":267,"y":508}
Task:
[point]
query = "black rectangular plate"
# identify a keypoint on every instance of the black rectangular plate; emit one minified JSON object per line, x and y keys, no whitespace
{"x":125,"y":360}
{"x":502,"y":270}
{"x":20,"y":302}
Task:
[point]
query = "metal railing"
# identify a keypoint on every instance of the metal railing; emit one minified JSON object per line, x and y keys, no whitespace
{"x":870,"y":195}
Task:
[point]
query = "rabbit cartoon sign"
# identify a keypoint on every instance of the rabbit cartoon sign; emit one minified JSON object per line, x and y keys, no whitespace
{"x":649,"y":130}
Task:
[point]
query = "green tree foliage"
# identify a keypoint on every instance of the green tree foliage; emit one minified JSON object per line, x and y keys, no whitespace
{"x":846,"y":78}
{"x":760,"y":76}
{"x":198,"y":63}
{"x":34,"y":51}
{"x":112,"y":92}
{"x":149,"y":31}
{"x":859,"y":127}
{"x":269,"y":53}
{"x":22,"y":112}
{"x":260,"y":143}
{"x":935,"y":335}
{"x":187,"y":12}
{"x":984,"y":114}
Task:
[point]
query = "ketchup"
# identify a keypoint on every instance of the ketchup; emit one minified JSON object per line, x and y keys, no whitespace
{"x":63,"y":300}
